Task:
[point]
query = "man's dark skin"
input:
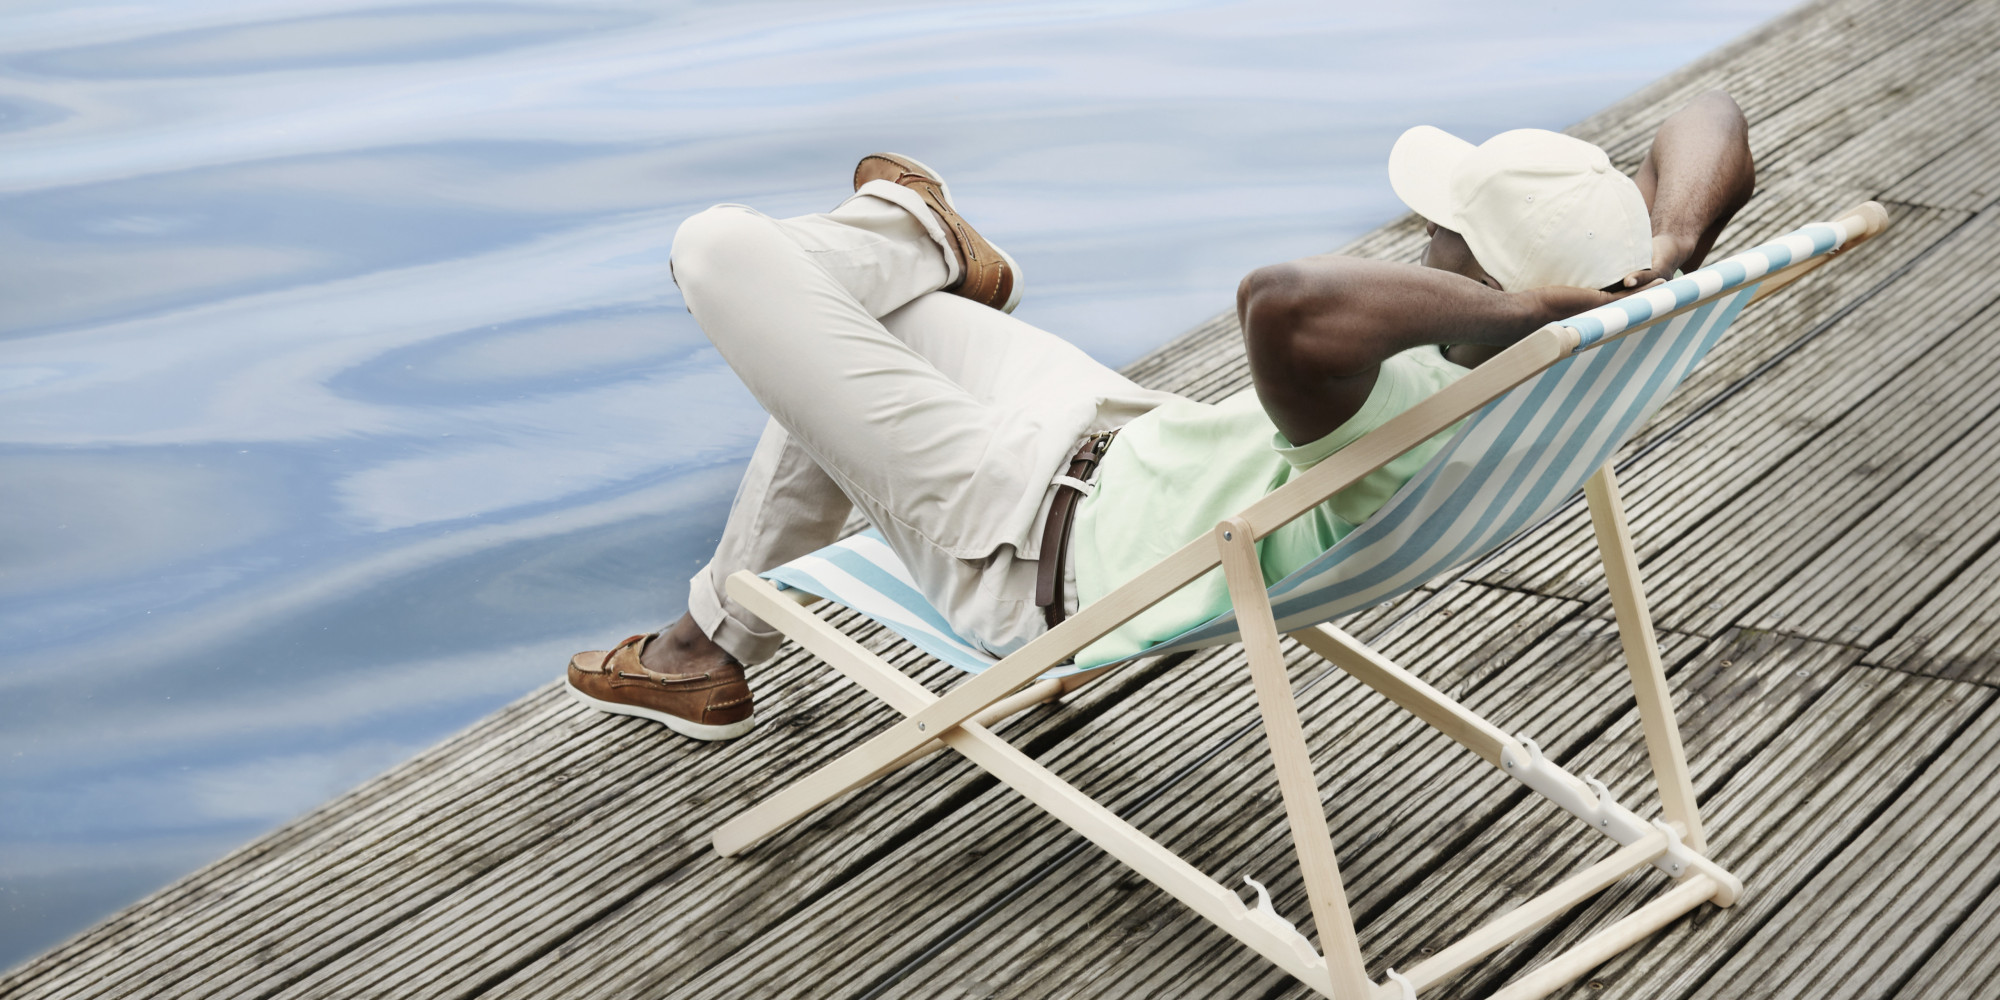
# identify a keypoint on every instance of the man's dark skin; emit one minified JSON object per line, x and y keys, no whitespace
{"x":1317,"y":329}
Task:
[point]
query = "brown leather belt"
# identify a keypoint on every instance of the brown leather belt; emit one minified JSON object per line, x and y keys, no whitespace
{"x":1055,"y":531}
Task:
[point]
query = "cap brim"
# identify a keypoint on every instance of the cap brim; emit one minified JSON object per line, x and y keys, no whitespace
{"x":1421,"y":165}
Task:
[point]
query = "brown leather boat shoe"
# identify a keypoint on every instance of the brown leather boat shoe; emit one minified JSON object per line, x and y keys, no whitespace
{"x":714,"y":705}
{"x":989,"y":276}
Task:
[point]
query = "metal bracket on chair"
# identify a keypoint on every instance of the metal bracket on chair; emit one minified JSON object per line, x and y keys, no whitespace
{"x":1597,"y":807}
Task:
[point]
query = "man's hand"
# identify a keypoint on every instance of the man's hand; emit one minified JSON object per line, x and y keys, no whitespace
{"x":1642,"y":278}
{"x":1563,"y":301}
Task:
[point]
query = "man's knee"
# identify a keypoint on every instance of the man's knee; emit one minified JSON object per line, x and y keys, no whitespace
{"x":705,"y":244}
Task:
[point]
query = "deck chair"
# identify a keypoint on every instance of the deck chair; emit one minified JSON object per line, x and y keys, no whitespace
{"x":1540,"y":420}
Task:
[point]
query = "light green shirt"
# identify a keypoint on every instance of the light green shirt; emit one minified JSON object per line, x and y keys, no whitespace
{"x":1175,"y":471}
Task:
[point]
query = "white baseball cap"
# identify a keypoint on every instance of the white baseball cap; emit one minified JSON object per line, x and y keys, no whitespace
{"x":1536,"y":207}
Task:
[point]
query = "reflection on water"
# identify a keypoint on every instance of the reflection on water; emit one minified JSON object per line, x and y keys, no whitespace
{"x":343,"y":394}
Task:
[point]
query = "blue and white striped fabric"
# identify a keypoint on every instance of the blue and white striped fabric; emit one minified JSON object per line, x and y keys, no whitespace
{"x":1510,"y":463}
{"x":862,"y":572}
{"x":1724,"y":275}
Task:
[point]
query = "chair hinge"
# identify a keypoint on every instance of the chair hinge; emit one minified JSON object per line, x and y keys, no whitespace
{"x":1597,"y":807}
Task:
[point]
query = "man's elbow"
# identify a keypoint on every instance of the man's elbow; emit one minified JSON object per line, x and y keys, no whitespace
{"x":1723,"y":118}
{"x":1267,"y":309}
{"x":1289,"y":314}
{"x":1738,"y":127}
{"x":1270,"y":301}
{"x":1253,"y":286}
{"x":1718,"y":102}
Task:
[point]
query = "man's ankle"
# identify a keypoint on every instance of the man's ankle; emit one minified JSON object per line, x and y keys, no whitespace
{"x":683,"y":648}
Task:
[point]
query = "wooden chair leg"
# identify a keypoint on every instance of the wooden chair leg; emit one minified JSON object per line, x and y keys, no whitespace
{"x":1304,"y":810}
{"x":1279,"y":943}
{"x":1642,"y":657}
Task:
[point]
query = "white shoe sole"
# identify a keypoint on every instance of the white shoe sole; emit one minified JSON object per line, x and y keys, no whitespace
{"x":682,"y":726}
{"x":944,"y":188}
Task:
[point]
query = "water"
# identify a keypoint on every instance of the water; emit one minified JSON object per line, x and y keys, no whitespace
{"x":343,"y":393}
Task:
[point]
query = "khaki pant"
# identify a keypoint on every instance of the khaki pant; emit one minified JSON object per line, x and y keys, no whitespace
{"x":942,"y":420}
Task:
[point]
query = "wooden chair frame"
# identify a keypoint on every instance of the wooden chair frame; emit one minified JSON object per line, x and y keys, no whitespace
{"x":959,"y":719}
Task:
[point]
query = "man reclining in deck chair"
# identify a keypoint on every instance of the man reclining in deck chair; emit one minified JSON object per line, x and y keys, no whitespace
{"x":980,"y":446}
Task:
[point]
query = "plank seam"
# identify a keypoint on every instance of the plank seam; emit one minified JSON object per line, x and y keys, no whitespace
{"x":1918,"y":608}
{"x":1725,"y":954}
{"x":1944,"y":450}
{"x":1920,"y":168}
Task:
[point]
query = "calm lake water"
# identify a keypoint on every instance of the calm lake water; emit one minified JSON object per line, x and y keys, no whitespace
{"x":343,"y":393}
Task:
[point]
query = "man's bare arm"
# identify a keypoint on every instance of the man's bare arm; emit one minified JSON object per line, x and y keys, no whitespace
{"x":1318,"y":329}
{"x":1695,"y":178}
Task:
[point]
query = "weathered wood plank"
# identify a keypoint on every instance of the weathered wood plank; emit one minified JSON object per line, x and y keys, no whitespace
{"x":1892,"y":537}
{"x":1956,"y":634}
{"x":542,"y":791}
{"x":1869,"y":91}
{"x":1869,"y":384}
{"x":657,"y":840}
{"x":1929,"y":124}
{"x":1962,"y":176}
{"x":328,"y":843}
{"x":1771,"y":68}
{"x":1781,"y":818}
{"x":1967,"y":964}
{"x":1899,"y":889}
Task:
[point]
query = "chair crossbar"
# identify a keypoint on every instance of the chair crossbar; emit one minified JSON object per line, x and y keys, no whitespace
{"x":1530,"y":916}
{"x":1407,"y":690}
{"x":1519,"y":757}
{"x":1601,"y":947}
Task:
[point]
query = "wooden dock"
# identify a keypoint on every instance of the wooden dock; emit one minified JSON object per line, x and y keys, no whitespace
{"x":1816,"y":510}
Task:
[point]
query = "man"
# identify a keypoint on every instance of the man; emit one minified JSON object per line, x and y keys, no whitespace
{"x":967,"y":437}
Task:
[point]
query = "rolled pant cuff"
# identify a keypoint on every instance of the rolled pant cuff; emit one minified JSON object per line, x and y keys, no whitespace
{"x":740,"y":634}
